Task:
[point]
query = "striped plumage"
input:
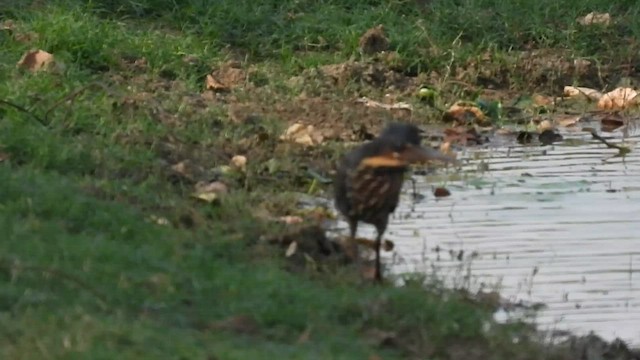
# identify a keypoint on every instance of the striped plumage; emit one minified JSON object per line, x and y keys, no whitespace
{"x":370,"y":177}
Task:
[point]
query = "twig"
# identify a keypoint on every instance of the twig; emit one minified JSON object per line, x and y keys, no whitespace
{"x":622,"y":149}
{"x":18,"y":107}
{"x":73,"y":95}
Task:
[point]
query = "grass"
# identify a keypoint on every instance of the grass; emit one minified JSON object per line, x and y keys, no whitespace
{"x":86,"y":269}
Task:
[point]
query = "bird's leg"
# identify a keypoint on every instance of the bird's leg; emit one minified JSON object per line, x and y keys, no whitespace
{"x":380,"y":227}
{"x":353,"y":229}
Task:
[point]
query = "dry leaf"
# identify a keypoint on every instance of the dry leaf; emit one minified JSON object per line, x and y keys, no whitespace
{"x":620,"y":98}
{"x":210,"y":192}
{"x":212,"y":84}
{"x":4,"y":156}
{"x":542,"y":100}
{"x":595,"y":18}
{"x":290,"y":220}
{"x":7,"y":25}
{"x":376,"y":104}
{"x":462,"y":113}
{"x":544,"y":125}
{"x":36,"y":60}
{"x":574,"y":91}
{"x":291,"y":249}
{"x":304,"y":135}
{"x":226,"y":77}
{"x":239,"y":162}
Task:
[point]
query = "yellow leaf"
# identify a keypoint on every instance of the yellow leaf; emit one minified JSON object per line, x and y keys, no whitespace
{"x":36,"y":60}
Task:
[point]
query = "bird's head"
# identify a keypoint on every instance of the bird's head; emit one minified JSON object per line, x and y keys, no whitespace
{"x":399,"y":145}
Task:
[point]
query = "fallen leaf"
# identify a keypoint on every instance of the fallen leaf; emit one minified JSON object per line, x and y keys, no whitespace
{"x":4,"y":156}
{"x":291,"y":249}
{"x":441,"y":192}
{"x":290,"y":220}
{"x":620,"y":98}
{"x":36,"y":60}
{"x":463,"y":113}
{"x":542,"y":100}
{"x":304,"y":135}
{"x":212,"y":84}
{"x":595,"y":18}
{"x":239,"y":162}
{"x":225,"y":78}
{"x":8,"y":25}
{"x":376,"y":104}
{"x":588,"y":93}
{"x":544,"y":125}
{"x":210,"y":192}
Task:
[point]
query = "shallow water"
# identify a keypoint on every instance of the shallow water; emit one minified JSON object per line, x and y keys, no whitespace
{"x":553,"y":224}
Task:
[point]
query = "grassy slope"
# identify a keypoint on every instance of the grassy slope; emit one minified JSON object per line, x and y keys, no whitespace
{"x":84,"y":272}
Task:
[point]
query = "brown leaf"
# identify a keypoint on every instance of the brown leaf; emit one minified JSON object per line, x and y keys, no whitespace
{"x":4,"y":156}
{"x":7,"y":25}
{"x":544,"y":125}
{"x":210,"y":192}
{"x":291,"y":219}
{"x":304,"y":135}
{"x":36,"y":60}
{"x":588,"y":93}
{"x":462,"y":114}
{"x":212,"y":84}
{"x":239,"y":162}
{"x":441,"y":192}
{"x":595,"y":18}
{"x":376,"y":104}
{"x":225,"y":78}
{"x":620,"y":98}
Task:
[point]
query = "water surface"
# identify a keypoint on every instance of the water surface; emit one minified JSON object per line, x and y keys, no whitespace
{"x":554,"y":224}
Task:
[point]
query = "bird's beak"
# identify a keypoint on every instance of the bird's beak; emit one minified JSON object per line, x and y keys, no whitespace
{"x":419,"y":154}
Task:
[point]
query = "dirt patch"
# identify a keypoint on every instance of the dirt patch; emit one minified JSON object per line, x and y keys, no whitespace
{"x":548,"y":69}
